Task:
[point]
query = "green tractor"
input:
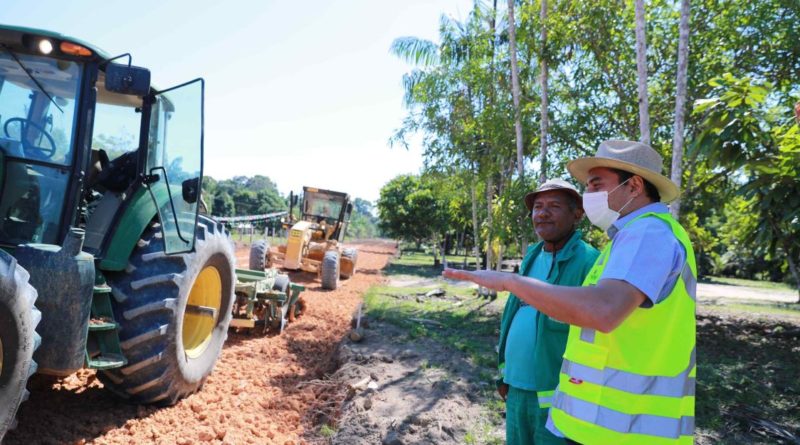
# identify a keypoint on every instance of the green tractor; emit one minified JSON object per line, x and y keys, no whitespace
{"x":106,"y":262}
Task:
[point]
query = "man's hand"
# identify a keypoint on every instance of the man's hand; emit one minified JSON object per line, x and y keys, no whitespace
{"x":486,"y":278}
{"x":502,"y":389}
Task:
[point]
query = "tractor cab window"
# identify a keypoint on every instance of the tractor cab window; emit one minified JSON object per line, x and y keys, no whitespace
{"x":115,"y":140}
{"x":175,"y":162}
{"x":37,"y":122}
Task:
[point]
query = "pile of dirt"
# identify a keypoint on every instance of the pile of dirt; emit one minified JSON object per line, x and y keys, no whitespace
{"x":257,"y":394}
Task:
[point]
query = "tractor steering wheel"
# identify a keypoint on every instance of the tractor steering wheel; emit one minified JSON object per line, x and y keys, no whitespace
{"x":46,"y":153}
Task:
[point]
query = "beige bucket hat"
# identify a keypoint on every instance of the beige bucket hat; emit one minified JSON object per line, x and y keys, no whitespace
{"x":630,"y":156}
{"x":553,"y":184}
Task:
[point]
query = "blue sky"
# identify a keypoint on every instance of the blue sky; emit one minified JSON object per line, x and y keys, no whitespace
{"x":303,"y":92}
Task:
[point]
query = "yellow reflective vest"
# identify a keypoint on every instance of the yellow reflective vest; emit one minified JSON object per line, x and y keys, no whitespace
{"x":634,"y":385}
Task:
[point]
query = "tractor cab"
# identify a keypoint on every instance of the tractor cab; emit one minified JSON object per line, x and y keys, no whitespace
{"x":88,"y":142}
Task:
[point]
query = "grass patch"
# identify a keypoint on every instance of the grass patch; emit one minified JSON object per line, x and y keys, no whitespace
{"x":461,"y":320}
{"x":748,"y":283}
{"x":737,"y":307}
{"x":327,"y":431}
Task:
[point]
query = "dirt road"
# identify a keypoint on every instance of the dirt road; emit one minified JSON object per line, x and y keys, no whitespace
{"x":256,"y":394}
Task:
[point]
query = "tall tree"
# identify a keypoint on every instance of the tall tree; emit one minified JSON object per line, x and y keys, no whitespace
{"x":543,"y":122}
{"x":641,"y":67}
{"x":512,"y":41}
{"x":680,"y":104}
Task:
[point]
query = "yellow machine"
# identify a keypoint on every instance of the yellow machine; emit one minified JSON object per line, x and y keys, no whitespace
{"x":314,"y":242}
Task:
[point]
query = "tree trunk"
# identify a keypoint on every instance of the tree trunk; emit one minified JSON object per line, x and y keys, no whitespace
{"x":512,"y":39}
{"x":545,"y":123}
{"x":680,"y":104}
{"x":641,"y":65}
{"x":475,"y":229}
{"x":500,"y":252}
{"x":489,"y":222}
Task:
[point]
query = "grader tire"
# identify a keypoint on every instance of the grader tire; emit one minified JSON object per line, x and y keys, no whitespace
{"x":174,"y":312}
{"x":18,"y":338}
{"x":259,"y":255}
{"x":330,"y":270}
{"x":349,"y":255}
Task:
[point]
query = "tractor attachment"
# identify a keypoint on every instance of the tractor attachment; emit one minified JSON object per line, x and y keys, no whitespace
{"x":265,"y":299}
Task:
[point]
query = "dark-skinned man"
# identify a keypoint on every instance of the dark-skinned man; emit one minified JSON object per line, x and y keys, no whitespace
{"x":531,"y":343}
{"x":628,"y":375}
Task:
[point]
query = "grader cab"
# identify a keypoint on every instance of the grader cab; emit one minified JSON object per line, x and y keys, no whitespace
{"x":314,"y":241}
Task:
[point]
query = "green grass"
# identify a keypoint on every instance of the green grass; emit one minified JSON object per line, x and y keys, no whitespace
{"x":327,"y":431}
{"x":787,"y":309}
{"x":459,"y":321}
{"x":748,"y":283}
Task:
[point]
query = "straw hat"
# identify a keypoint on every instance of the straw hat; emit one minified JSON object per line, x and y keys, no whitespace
{"x":630,"y":156}
{"x":553,"y":184}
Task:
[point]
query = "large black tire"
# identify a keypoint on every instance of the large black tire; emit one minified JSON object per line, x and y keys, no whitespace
{"x":330,"y":270}
{"x":150,"y":303}
{"x":18,"y":338}
{"x":259,"y":255}
{"x":351,"y":254}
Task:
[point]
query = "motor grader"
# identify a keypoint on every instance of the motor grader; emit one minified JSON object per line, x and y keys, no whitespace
{"x":105,"y":262}
{"x":314,"y":241}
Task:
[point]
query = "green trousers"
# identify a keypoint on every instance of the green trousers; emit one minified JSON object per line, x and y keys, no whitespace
{"x":525,"y":421}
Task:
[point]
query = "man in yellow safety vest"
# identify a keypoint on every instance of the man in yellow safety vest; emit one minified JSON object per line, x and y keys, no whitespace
{"x":628,"y":375}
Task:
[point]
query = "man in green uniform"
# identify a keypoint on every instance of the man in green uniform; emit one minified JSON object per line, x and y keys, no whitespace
{"x":531,"y":343}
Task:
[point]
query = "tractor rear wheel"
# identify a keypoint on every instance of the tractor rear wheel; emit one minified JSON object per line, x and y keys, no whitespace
{"x":330,"y":269}
{"x":174,"y":312}
{"x":349,"y":260}
{"x":18,"y":338}
{"x":259,"y":255}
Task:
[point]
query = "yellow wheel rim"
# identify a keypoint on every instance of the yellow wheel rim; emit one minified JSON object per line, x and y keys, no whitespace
{"x":202,"y":311}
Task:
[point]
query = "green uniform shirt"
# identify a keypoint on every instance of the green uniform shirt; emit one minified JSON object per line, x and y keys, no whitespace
{"x":572,"y":264}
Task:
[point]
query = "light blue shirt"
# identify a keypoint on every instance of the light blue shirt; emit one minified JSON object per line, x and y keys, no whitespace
{"x":521,"y":339}
{"x":645,"y":254}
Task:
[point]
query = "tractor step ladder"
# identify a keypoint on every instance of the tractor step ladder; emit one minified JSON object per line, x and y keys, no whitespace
{"x":104,"y":330}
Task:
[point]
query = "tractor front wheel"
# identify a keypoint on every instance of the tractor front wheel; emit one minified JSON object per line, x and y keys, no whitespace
{"x":18,"y":338}
{"x":174,"y":312}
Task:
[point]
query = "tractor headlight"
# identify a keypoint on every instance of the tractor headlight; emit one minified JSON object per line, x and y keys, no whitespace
{"x":45,"y":46}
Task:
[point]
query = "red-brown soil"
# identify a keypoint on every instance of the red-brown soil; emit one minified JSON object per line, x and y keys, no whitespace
{"x":256,"y":394}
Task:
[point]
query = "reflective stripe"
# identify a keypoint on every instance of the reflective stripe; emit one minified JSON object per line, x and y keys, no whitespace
{"x":680,"y":385}
{"x":545,"y":398}
{"x":648,"y":424}
{"x":587,"y":335}
{"x":689,"y":281}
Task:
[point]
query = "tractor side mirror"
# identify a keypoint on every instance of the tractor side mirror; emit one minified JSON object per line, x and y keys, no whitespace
{"x":126,"y":79}
{"x":190,"y":188}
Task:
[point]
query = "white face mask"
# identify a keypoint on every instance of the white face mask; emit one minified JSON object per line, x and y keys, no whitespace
{"x":595,"y":204}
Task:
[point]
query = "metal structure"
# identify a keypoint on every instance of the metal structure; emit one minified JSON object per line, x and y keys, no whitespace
{"x":314,"y":241}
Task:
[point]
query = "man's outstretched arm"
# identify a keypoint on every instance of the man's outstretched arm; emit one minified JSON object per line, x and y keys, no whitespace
{"x":602,"y":307}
